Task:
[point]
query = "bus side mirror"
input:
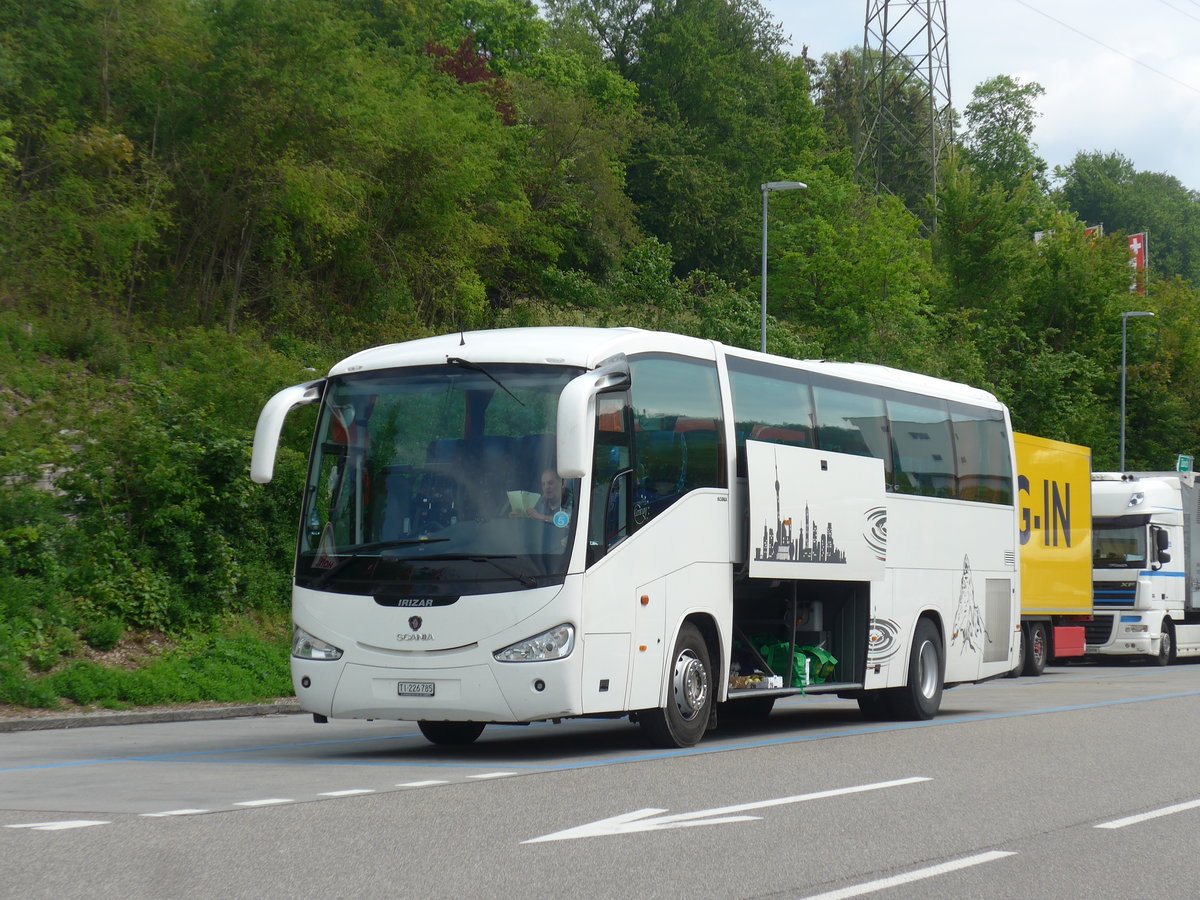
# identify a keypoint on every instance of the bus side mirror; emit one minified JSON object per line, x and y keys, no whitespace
{"x":577,"y":409}
{"x":270,"y":426}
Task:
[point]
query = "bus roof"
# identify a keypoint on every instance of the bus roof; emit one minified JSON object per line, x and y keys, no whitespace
{"x":588,"y":347}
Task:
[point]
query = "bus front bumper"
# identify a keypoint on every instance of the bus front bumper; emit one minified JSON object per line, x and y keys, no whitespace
{"x":496,"y":692}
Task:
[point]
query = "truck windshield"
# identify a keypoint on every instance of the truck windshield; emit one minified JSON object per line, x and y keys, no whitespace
{"x":1119,"y":543}
{"x":437,"y":481}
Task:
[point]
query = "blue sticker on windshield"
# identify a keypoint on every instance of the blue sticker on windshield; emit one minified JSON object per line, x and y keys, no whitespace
{"x":561,"y":519}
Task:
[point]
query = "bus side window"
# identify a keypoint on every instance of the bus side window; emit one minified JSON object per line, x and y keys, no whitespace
{"x":608,"y":519}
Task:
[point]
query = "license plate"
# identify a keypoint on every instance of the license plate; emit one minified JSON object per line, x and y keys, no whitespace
{"x":415,"y":689}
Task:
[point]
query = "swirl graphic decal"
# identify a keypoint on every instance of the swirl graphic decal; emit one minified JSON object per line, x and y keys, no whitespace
{"x":882,"y":640}
{"x":876,"y":533}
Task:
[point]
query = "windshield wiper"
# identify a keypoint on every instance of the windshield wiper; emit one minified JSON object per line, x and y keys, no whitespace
{"x":476,"y":367}
{"x":371,"y":548}
{"x":527,"y":580}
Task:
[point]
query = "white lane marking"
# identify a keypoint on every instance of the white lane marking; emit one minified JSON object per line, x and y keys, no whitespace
{"x":493,"y":775}
{"x":349,"y":793}
{"x":59,"y":826}
{"x":1153,"y":814}
{"x":651,"y":820}
{"x":858,"y":890}
{"x":174,"y":812}
{"x":270,"y":802}
{"x":421,"y":783}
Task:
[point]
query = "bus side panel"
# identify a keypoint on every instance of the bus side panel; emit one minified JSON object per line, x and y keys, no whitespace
{"x":689,"y":544}
{"x":965,"y":577}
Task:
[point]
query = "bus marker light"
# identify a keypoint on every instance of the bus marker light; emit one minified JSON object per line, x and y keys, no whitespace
{"x":645,"y":600}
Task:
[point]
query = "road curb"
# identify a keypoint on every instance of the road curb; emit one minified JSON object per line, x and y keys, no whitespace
{"x":144,"y":716}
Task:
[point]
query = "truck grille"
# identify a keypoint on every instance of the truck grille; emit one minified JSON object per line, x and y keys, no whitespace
{"x":1114,"y":593}
{"x":1098,"y":630}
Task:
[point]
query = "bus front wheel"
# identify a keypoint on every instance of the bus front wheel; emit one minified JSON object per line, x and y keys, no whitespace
{"x":451,"y":733}
{"x":684,"y":719}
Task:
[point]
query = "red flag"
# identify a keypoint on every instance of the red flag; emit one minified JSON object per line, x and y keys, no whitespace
{"x":1137,"y":261}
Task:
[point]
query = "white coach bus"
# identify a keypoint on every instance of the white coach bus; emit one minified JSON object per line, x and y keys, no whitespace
{"x":526,"y":525}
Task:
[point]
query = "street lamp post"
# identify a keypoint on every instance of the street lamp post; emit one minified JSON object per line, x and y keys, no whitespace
{"x":766,"y":189}
{"x":1125,"y":317}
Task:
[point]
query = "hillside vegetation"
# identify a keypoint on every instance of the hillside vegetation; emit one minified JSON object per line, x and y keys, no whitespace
{"x":203,"y":203}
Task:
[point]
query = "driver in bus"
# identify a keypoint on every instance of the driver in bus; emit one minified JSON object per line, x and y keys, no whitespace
{"x":556,"y":498}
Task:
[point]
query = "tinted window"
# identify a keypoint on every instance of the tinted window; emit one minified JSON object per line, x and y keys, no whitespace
{"x":770,"y":404}
{"x":678,"y":441}
{"x":981,"y":446}
{"x":922,"y":446}
{"x":850,"y":419}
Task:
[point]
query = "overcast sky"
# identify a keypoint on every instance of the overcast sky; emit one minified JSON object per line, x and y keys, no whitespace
{"x":1120,"y":75}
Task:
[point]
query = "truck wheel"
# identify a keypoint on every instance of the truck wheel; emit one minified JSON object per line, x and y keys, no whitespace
{"x":451,"y":733}
{"x":921,"y":697}
{"x":1037,"y":647}
{"x":682,"y":722}
{"x":1166,"y":645}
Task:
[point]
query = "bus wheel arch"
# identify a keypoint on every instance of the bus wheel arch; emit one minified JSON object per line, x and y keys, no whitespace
{"x":692,"y":680}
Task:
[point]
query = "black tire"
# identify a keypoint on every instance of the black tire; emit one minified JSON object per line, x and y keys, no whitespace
{"x":454,"y":734}
{"x":921,"y":697}
{"x":683,"y":721}
{"x":1037,"y":647}
{"x":876,"y":706}
{"x":1166,"y":646}
{"x":1019,"y":668}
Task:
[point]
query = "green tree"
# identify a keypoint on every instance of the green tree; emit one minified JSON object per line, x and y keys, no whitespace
{"x":1000,"y":119}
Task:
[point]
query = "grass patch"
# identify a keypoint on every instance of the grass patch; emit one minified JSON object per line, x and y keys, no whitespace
{"x":244,"y":662}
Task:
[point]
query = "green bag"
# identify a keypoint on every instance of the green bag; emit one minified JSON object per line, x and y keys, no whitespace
{"x":821,"y":664}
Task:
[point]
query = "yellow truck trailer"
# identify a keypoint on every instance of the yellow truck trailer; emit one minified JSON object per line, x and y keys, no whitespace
{"x":1055,"y":499}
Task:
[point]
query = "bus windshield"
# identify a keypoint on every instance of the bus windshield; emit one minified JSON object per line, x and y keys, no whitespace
{"x":437,"y":481}
{"x":1119,"y":543}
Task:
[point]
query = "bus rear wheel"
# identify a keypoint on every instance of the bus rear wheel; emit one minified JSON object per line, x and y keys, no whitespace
{"x":921,"y":697}
{"x":683,"y":721}
{"x":451,"y":733}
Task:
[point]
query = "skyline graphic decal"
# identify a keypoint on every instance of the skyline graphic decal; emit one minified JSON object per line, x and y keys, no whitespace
{"x":782,"y":544}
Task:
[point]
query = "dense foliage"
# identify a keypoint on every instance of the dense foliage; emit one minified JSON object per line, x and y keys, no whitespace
{"x":202,"y":203}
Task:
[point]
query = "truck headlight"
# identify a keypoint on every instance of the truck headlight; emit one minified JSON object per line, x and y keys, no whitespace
{"x":556,"y":643}
{"x":305,"y":646}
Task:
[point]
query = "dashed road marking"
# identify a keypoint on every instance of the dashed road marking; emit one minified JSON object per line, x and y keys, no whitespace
{"x":493,"y":775}
{"x":273,"y":801}
{"x":174,"y":812}
{"x":59,"y":826}
{"x":349,"y":793}
{"x":421,"y":783}
{"x":857,"y":890}
{"x":1153,"y":814}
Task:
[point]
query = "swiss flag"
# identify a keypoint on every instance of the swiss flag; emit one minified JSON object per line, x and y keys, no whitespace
{"x":1137,"y":261}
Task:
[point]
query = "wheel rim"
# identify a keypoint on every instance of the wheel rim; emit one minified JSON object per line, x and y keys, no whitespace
{"x":690,"y":683}
{"x":1164,"y":644}
{"x":927,"y":669}
{"x":1038,"y":650}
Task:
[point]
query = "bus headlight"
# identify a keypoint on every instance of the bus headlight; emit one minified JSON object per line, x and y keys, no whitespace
{"x":305,"y":646}
{"x":556,"y":643}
